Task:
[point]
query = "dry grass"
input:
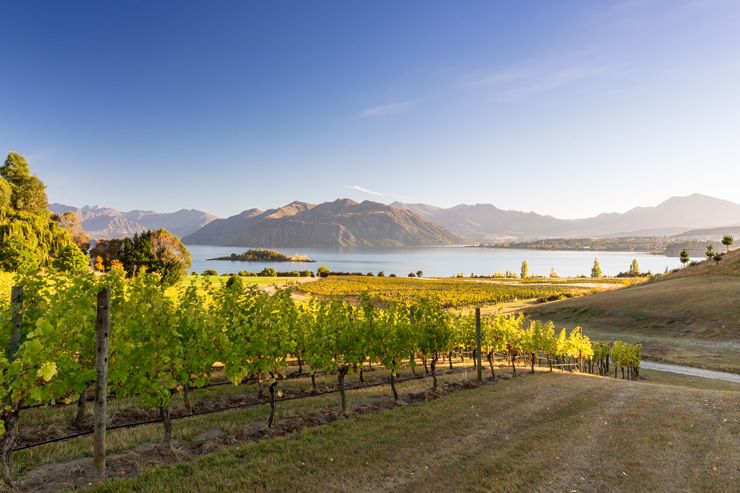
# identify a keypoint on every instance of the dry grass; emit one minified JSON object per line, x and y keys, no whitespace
{"x":548,"y":432}
{"x":41,"y":468}
{"x":684,"y":319}
{"x":728,"y":266}
{"x":669,"y":378}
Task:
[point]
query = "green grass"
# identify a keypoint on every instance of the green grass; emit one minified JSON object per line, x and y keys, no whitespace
{"x":548,"y":432}
{"x":669,"y":378}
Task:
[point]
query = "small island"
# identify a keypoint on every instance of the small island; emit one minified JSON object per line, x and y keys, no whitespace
{"x":264,"y":255}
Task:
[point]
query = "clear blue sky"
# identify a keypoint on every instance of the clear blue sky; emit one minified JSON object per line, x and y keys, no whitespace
{"x":565,"y":108}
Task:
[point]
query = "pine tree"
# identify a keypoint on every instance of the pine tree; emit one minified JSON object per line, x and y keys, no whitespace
{"x":710,"y":252}
{"x":727,"y":241}
{"x":28,"y":193}
{"x":684,"y":257}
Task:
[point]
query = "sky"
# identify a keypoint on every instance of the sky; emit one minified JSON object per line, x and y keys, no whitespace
{"x":565,"y":108}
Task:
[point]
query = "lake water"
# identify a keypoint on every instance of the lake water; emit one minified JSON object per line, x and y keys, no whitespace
{"x":437,"y":261}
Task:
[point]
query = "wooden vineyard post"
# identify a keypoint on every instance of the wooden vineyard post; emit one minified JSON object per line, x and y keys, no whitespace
{"x":478,"y":359}
{"x":102,"y":335}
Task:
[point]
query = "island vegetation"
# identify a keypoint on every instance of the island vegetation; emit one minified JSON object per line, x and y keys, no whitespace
{"x":264,"y":255}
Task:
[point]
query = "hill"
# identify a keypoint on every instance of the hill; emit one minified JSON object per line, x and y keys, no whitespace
{"x":715,"y":234}
{"x":486,"y":222}
{"x":690,"y":316}
{"x":342,"y":223}
{"x":104,"y":222}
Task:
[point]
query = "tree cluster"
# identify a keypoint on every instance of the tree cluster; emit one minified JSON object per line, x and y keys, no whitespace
{"x":31,"y":238}
{"x":152,"y":251}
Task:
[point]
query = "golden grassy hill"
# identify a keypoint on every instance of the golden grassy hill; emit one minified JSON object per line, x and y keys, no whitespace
{"x":691,"y":316}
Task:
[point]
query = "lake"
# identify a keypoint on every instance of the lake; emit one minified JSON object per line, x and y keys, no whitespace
{"x":436,"y":261}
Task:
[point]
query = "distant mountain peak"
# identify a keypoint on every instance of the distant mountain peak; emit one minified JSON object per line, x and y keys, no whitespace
{"x":340,"y":223}
{"x":104,"y":222}
{"x":345,"y":202}
{"x":486,"y":222}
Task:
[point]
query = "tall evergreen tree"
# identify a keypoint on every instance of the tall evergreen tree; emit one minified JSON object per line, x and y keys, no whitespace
{"x":30,"y":239}
{"x":685,"y":257}
{"x":727,"y":241}
{"x":28,"y":193}
{"x":709,"y":253}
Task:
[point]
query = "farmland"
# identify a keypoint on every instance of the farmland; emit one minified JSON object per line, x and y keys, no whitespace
{"x":308,"y":367}
{"x":580,"y":433}
{"x":165,"y":343}
{"x":451,"y":292}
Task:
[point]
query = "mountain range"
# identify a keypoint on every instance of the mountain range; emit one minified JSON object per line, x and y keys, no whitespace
{"x":346,"y":223}
{"x":342,"y":223}
{"x":487,"y":223}
{"x":104,"y":222}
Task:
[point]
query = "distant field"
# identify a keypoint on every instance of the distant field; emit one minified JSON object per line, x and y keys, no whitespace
{"x":452,"y":292}
{"x":548,"y":432}
{"x":624,"y":281}
{"x":260,"y":281}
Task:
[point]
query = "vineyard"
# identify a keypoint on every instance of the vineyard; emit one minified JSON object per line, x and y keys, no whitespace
{"x":622,"y":281}
{"x":447,"y":292}
{"x":166,"y":343}
{"x":6,"y":282}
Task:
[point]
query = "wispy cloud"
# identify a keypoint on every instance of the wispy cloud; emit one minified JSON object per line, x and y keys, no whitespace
{"x":513,"y":84}
{"x":386,"y":109}
{"x":358,"y":188}
{"x":364,"y":190}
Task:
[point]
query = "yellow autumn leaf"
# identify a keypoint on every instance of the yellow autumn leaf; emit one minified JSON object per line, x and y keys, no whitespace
{"x":47,"y":371}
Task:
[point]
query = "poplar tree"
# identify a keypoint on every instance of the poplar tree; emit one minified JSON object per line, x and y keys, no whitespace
{"x":596,"y":269}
